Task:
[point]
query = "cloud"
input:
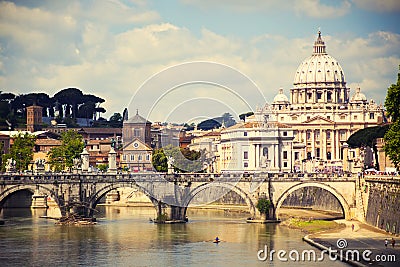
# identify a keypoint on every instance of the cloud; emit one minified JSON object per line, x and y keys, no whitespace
{"x":388,"y":6}
{"x":316,"y":9}
{"x":371,"y":62}
{"x":79,"y":50}
{"x":310,"y":8}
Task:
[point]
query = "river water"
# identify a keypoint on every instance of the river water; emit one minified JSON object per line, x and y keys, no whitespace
{"x":125,"y":237}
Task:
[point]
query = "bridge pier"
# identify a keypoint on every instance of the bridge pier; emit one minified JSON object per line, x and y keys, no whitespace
{"x":170,"y":213}
{"x":39,"y":200}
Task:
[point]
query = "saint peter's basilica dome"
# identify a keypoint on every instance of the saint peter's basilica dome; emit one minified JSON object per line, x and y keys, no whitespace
{"x":320,"y":69}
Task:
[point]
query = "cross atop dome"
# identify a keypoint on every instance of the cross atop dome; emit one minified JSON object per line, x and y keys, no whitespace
{"x":319,"y":45}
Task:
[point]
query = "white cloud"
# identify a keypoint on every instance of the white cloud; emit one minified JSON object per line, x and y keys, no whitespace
{"x":316,"y":9}
{"x":80,"y":50}
{"x":311,"y":8}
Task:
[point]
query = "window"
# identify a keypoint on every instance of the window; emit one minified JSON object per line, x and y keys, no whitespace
{"x":308,"y":135}
{"x":329,"y":96}
{"x":342,"y":117}
{"x":285,"y":155}
{"x":296,"y":155}
{"x":355,"y":117}
{"x":318,"y":152}
{"x":265,"y":152}
{"x":285,"y":164}
{"x":246,"y":164}
{"x":246,"y":155}
{"x":371,"y":116}
{"x":328,"y":135}
{"x":147,"y":157}
{"x":319,"y":96}
{"x":342,"y":134}
{"x":132,"y":157}
{"x":245,"y":134}
{"x":123,"y":157}
{"x":317,"y":135}
{"x":284,"y":133}
{"x":308,"y":155}
{"x":136,"y":132}
{"x":328,"y":155}
{"x":140,"y":157}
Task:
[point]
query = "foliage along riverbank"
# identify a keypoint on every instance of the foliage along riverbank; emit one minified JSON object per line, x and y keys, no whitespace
{"x":312,"y":226}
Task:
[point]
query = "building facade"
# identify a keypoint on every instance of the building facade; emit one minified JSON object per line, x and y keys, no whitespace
{"x":34,"y":118}
{"x":136,"y":150}
{"x":136,"y":127}
{"x":323,"y":113}
{"x":256,"y":146}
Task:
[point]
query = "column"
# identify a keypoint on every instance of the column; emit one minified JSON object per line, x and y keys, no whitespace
{"x":337,"y":145}
{"x":313,"y":143}
{"x":277,"y":158}
{"x":257,"y":153}
{"x":271,"y":154}
{"x":323,"y":144}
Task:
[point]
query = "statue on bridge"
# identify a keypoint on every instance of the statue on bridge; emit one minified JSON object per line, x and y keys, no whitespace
{"x":170,"y":162}
{"x":10,"y":165}
{"x":77,"y":163}
{"x":40,"y":165}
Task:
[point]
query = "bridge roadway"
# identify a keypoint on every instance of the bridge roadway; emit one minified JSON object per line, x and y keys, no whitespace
{"x":172,"y":194}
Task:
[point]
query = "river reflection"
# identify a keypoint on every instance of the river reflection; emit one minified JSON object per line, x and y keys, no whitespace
{"x":125,"y":237}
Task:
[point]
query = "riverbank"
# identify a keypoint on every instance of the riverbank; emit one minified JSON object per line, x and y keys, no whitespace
{"x":312,"y":226}
{"x":362,"y":238}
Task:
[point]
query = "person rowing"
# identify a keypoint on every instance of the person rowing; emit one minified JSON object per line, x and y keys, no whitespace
{"x":217,"y":240}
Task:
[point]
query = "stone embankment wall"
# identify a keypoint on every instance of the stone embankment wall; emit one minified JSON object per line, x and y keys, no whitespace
{"x":383,"y":208}
{"x":231,"y":198}
{"x":314,"y":198}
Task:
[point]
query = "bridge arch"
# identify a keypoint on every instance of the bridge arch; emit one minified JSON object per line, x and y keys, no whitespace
{"x":29,"y":187}
{"x":96,"y":197}
{"x":232,"y":187}
{"x":333,"y":191}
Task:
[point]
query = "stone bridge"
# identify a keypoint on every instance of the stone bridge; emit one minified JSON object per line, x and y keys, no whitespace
{"x":173,"y":194}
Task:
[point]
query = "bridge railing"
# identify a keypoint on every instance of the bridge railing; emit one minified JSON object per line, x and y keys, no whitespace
{"x":177,"y":178}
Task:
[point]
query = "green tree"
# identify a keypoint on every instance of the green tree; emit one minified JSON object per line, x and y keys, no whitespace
{"x":392,"y":136}
{"x":102,"y":167}
{"x":244,"y":115}
{"x":71,"y":147}
{"x":367,"y":138}
{"x":159,"y":160}
{"x":263,"y":206}
{"x":392,"y":143}
{"x":116,"y":120}
{"x":209,"y":124}
{"x":392,"y":101}
{"x":185,"y":160}
{"x":21,"y":151}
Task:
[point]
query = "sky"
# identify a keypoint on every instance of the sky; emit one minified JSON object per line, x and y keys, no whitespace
{"x":187,"y":60}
